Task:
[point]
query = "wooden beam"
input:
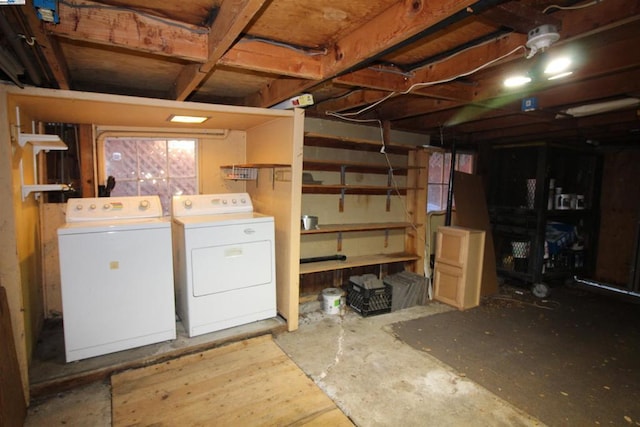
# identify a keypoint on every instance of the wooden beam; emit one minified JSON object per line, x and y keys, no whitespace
{"x":264,"y":57}
{"x":232,"y":18}
{"x":399,"y":22}
{"x":469,"y":60}
{"x":477,"y":117}
{"x":584,"y":127}
{"x":126,"y":28}
{"x":350,"y":101}
{"x":279,"y":89}
{"x":379,"y":78}
{"x":611,"y":56}
{"x":596,"y":19}
{"x":49,"y":47}
{"x":385,"y":31}
{"x":411,"y":105}
{"x":87,"y":161}
{"x":520,"y":17}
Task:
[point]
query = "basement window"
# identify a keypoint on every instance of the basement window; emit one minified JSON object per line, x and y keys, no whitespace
{"x":152,"y":166}
{"x":439,"y":168}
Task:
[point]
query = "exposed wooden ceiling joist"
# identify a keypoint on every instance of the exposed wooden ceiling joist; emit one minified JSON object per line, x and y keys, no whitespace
{"x":231,"y":20}
{"x":439,"y":64}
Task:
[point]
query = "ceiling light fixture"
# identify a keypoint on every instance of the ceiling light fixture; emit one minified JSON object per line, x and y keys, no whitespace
{"x":187,"y":119}
{"x":540,"y":39}
{"x":559,"y":76}
{"x":517,"y":81}
{"x":599,"y":107}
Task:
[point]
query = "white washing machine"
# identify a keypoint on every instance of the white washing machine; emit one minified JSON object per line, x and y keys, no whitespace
{"x":224,"y":262}
{"x":116,"y":269}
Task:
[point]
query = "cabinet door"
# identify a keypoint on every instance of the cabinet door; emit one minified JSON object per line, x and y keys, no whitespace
{"x":449,"y":285}
{"x":452,"y":246}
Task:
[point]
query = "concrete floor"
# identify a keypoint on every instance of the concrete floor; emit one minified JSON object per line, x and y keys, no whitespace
{"x":373,"y":377}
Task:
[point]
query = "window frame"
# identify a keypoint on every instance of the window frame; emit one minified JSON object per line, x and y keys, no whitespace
{"x":443,"y":182}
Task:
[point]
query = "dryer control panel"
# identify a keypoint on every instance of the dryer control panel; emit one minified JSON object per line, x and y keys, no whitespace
{"x":211,"y":204}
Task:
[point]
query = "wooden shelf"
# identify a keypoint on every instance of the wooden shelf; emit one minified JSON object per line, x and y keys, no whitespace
{"x":358,"y":261}
{"x":338,"y":228}
{"x":331,"y":141}
{"x":353,"y":189}
{"x":317,"y":165}
{"x":257,"y":165}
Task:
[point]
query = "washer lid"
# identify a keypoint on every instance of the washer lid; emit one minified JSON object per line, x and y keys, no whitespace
{"x":113,"y":226}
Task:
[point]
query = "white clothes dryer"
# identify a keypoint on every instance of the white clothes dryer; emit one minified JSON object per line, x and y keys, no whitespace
{"x":116,"y":271}
{"x":224,"y":262}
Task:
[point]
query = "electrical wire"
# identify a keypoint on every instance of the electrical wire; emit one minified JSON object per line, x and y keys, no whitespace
{"x":582,"y":6}
{"x":426,"y":84}
{"x":305,"y":51}
{"x":138,"y":12}
{"x":348,"y":117}
{"x":407,"y":74}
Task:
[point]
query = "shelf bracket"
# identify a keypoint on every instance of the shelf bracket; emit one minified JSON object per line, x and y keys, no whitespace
{"x":343,"y":175}
{"x":38,"y":142}
{"x":341,"y":202}
{"x":340,"y":241}
{"x":386,"y":238}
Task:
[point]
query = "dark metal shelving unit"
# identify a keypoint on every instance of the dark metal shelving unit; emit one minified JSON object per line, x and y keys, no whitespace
{"x":521,"y":215}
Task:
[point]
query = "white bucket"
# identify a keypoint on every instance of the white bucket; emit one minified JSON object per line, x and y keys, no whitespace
{"x":331,"y":300}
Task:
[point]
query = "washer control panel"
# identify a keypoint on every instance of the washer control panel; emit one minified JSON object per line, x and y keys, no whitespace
{"x":108,"y":208}
{"x":211,"y":204}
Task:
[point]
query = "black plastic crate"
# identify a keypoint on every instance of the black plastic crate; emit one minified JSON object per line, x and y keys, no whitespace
{"x":369,"y":302}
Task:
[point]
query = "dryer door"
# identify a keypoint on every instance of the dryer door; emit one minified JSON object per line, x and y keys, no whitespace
{"x":227,"y":267}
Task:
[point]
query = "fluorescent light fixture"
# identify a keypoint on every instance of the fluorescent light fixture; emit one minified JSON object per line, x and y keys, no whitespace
{"x":561,"y":75}
{"x":558,"y":65}
{"x":187,"y":119}
{"x":600,"y":107}
{"x":517,"y":81}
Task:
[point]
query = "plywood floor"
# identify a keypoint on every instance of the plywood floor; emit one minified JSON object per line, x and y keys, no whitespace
{"x":251,"y":382}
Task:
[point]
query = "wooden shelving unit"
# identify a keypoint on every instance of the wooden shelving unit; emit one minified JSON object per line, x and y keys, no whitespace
{"x":371,"y":229}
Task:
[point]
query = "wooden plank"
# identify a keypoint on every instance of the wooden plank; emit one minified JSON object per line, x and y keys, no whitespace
{"x":52,"y":217}
{"x":279,"y":195}
{"x":472,"y":212}
{"x":315,"y":165}
{"x":49,"y":47}
{"x":245,"y":383}
{"x":82,"y":378}
{"x":87,"y":179}
{"x":231,"y":20}
{"x":334,"y":228}
{"x":357,"y":261}
{"x":265,"y":57}
{"x":352,"y":189}
{"x":13,"y":408}
{"x":132,"y":30}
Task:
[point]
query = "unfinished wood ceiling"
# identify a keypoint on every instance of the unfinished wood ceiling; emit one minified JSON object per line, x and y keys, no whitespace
{"x":435,"y":67}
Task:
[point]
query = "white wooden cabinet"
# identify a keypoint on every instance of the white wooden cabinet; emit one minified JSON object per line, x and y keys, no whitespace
{"x":458,"y":267}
